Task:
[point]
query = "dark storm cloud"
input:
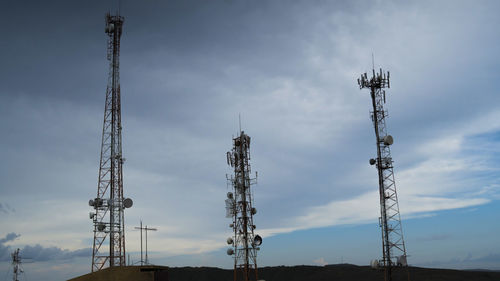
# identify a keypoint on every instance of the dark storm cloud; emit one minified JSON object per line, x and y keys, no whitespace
{"x":5,"y":250}
{"x":6,"y":208}
{"x":38,"y":252}
{"x":180,"y":52}
{"x":9,"y":237}
{"x":51,"y":48}
{"x":196,"y":56}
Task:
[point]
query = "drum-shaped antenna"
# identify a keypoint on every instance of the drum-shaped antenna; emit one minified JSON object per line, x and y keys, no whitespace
{"x":257,"y":241}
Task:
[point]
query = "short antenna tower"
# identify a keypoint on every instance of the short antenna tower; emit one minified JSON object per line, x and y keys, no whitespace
{"x":108,"y":219}
{"x":16,"y":265}
{"x":393,"y":246}
{"x":239,"y":207}
{"x":146,"y":229}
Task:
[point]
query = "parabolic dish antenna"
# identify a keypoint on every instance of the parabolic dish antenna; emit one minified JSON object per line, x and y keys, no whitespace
{"x":388,"y":140}
{"x":127,"y":202}
{"x":257,"y":240}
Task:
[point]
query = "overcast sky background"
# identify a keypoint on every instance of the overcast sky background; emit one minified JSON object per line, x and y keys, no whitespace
{"x":189,"y":68}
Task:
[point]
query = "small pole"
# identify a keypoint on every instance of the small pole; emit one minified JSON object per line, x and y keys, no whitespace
{"x":140,"y":228}
{"x":142,"y":261}
{"x":147,"y":262}
{"x":146,"y":229}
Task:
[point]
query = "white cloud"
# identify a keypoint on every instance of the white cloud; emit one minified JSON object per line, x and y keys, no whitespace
{"x":320,"y":261}
{"x":434,"y":184}
{"x":365,"y":209}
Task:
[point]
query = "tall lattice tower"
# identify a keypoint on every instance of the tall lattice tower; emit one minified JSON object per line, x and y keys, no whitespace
{"x":109,"y":204}
{"x":393,"y":246}
{"x":245,"y":243}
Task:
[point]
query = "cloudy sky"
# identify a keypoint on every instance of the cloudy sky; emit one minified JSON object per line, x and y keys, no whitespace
{"x":289,"y":68}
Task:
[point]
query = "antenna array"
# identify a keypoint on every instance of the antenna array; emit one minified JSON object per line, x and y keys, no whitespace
{"x":393,"y":246}
{"x":245,"y":243}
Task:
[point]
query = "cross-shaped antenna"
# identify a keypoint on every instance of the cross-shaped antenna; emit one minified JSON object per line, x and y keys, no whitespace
{"x":239,"y":119}
{"x":373,"y":61}
{"x":146,"y":229}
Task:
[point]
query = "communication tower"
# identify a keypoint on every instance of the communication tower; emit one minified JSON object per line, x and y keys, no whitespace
{"x":16,"y":265}
{"x":109,"y":204}
{"x":239,"y":207}
{"x":393,"y":246}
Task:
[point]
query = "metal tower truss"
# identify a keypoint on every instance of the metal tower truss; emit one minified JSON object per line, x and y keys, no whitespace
{"x":394,"y":251}
{"x":16,"y":265}
{"x":108,"y":217}
{"x":245,"y":243}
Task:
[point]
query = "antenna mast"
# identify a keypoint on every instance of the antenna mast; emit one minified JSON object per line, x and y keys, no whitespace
{"x":245,"y":243}
{"x":108,"y":219}
{"x":146,"y":229}
{"x":393,"y":246}
{"x":16,"y":265}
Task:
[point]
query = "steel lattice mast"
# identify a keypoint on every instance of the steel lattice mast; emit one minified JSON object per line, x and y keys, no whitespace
{"x":108,"y":219}
{"x":16,"y":265}
{"x":239,"y":207}
{"x":393,"y":246}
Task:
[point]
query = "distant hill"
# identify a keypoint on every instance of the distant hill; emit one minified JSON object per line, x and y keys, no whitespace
{"x":338,"y":272}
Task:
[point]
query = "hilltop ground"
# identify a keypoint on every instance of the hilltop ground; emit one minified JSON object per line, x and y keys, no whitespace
{"x":340,"y":272}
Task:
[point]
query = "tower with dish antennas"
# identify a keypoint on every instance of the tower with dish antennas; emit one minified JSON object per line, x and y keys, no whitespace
{"x":393,"y":245}
{"x":109,"y":204}
{"x":244,"y":243}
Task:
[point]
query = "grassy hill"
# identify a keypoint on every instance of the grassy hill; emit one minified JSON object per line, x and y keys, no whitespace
{"x":340,"y":272}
